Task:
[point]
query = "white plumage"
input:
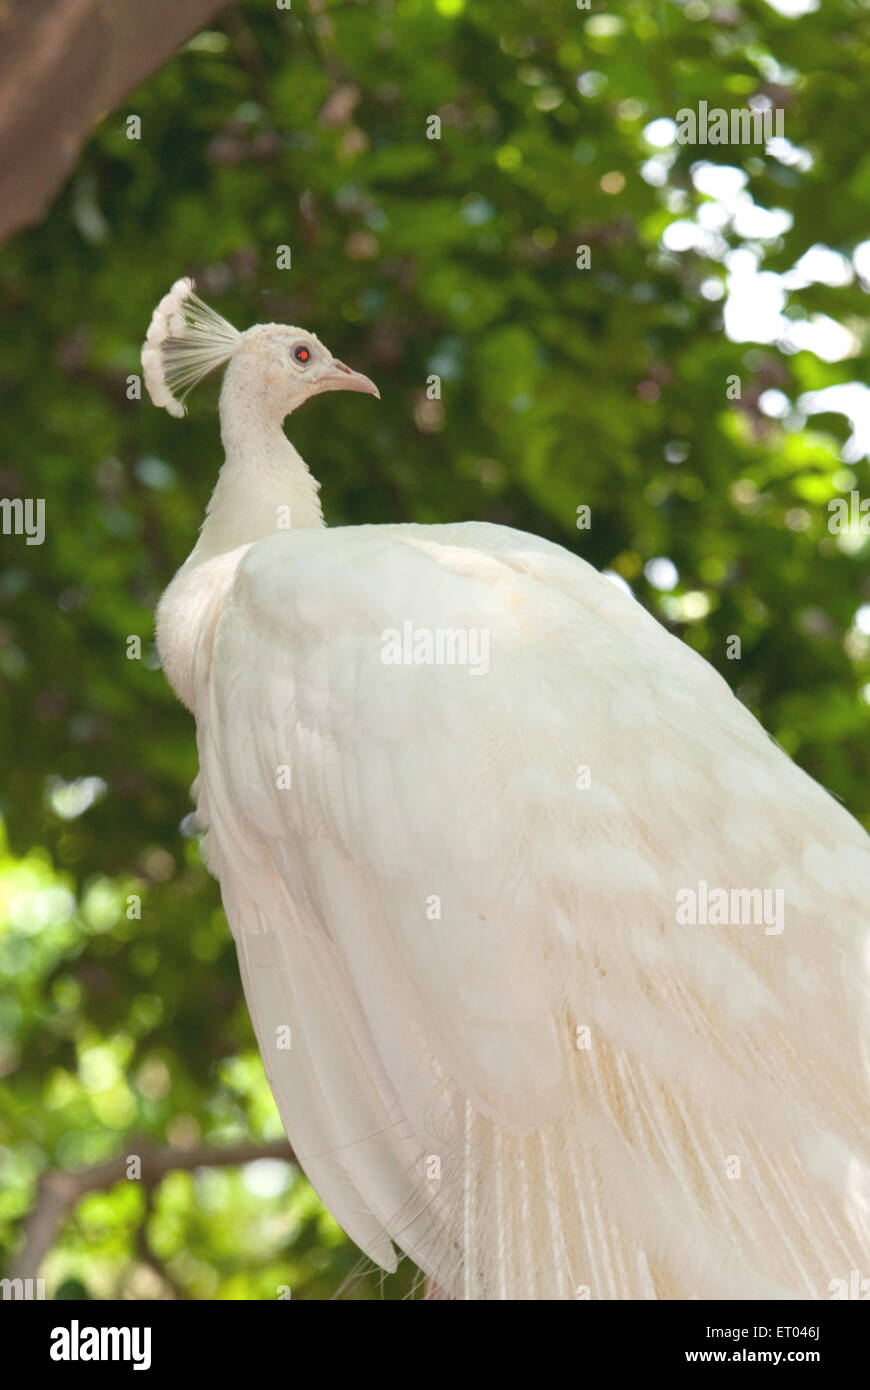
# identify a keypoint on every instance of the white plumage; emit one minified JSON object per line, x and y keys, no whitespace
{"x":508,"y":1056}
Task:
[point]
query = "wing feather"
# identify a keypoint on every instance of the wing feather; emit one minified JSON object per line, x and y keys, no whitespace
{"x":512,"y":1058}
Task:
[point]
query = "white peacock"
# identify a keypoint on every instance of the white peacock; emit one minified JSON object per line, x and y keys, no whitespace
{"x":512,"y":1054}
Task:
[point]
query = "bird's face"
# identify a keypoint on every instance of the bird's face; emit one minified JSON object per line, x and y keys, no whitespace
{"x":292,"y":364}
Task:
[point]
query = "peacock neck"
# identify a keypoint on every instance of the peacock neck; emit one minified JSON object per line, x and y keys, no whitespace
{"x":264,"y":485}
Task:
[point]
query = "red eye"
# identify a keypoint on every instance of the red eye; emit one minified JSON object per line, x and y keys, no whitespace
{"x":301,"y":354}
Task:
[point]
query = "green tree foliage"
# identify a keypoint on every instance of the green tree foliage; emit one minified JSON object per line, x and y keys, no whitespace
{"x":560,"y":387}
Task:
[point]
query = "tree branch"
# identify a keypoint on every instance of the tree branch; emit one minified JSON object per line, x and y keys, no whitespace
{"x":63,"y":64}
{"x":58,"y":1192}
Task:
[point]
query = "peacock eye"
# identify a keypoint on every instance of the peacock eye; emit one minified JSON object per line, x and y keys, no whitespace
{"x":302,"y":354}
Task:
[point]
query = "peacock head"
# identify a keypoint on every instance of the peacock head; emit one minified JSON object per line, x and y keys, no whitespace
{"x":272,"y":365}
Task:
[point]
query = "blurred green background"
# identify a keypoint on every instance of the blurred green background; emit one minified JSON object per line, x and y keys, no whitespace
{"x":560,"y":387}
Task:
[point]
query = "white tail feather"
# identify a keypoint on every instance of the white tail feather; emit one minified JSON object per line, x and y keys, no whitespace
{"x":185,"y":341}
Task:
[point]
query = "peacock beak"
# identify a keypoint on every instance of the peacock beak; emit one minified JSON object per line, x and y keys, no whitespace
{"x":341,"y":378}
